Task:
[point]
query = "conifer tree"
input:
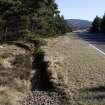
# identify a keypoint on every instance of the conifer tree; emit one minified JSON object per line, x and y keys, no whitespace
{"x":96,"y":25}
{"x":103,"y":24}
{"x":22,"y":17}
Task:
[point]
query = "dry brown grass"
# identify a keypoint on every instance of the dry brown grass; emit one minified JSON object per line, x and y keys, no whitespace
{"x":9,"y":96}
{"x":82,"y":68}
{"x":71,"y":61}
{"x":15,"y":69}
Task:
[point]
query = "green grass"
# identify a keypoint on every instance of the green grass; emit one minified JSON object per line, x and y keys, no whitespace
{"x":82,"y":68}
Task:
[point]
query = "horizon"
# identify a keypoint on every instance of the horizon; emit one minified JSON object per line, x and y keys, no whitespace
{"x":78,"y":19}
{"x":83,"y":10}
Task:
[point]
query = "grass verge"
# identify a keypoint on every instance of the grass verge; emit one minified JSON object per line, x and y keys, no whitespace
{"x":82,"y":68}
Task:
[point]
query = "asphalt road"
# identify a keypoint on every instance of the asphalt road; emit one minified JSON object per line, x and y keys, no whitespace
{"x":97,"y":40}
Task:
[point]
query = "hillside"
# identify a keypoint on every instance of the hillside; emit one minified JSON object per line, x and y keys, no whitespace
{"x":77,"y":24}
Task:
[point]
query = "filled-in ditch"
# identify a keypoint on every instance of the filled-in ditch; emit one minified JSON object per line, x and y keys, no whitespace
{"x":44,"y":89}
{"x":24,"y":71}
{"x":41,"y":78}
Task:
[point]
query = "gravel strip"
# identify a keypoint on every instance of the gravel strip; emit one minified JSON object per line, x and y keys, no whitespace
{"x":39,"y":98}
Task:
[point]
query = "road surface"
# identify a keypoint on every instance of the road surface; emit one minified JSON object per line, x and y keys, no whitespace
{"x":96,"y":41}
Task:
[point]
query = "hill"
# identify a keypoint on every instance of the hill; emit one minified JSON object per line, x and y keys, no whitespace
{"x":77,"y":24}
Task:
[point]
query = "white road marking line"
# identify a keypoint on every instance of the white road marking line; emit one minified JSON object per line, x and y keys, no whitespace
{"x":97,"y":49}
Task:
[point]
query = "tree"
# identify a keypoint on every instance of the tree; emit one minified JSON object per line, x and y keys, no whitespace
{"x":103,"y":24}
{"x":22,"y":17}
{"x":96,"y":24}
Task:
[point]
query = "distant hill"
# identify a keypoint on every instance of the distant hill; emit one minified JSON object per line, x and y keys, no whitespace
{"x":77,"y":24}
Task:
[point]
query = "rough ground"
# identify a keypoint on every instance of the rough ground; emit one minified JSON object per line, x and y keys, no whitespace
{"x":70,"y":64}
{"x":20,"y":70}
{"x":82,"y":68}
{"x":15,"y":69}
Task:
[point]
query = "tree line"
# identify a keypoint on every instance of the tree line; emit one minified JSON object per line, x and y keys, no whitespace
{"x":30,"y":17}
{"x":98,"y":25}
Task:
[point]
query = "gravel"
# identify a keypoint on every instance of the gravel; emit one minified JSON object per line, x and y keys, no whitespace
{"x":40,"y":98}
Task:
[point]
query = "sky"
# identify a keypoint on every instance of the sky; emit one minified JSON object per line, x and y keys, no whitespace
{"x":81,"y":9}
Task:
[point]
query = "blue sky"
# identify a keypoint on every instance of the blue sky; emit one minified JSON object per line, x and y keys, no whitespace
{"x":81,"y":9}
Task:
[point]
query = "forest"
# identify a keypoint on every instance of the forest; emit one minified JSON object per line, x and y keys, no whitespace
{"x":98,"y":25}
{"x":30,"y":18}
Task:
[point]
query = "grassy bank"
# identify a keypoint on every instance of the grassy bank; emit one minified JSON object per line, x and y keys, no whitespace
{"x":82,"y":68}
{"x":66,"y":68}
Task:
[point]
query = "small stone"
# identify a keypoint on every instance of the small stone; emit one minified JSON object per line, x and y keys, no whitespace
{"x":39,"y":98}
